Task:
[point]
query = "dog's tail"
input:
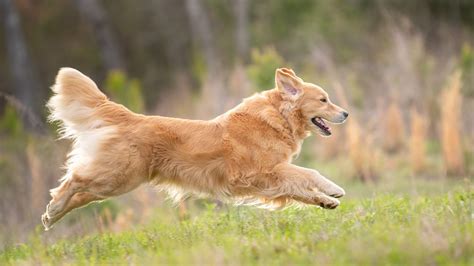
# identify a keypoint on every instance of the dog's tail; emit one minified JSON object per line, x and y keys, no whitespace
{"x":79,"y":105}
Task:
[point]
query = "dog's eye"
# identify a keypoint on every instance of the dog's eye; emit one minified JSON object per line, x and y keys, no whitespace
{"x":324,"y":100}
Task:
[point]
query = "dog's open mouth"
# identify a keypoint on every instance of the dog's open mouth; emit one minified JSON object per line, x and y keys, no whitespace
{"x":319,"y":122}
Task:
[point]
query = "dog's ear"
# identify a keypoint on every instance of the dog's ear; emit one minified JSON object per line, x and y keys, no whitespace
{"x":289,"y":71}
{"x":288,"y":83}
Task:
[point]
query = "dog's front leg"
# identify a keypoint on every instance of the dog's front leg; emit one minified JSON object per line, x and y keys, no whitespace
{"x":320,"y":182}
{"x":290,"y":181}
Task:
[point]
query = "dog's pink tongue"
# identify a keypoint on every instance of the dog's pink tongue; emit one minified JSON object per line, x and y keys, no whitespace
{"x":321,"y":121}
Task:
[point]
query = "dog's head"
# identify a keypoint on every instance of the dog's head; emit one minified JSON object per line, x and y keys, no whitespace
{"x":311,"y":100}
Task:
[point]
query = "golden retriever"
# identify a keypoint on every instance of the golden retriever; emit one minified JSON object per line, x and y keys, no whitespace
{"x":243,"y":155}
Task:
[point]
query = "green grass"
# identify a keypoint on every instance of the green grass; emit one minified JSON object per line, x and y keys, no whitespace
{"x":386,"y":228}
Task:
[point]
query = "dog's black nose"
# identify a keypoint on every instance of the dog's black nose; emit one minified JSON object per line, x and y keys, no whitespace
{"x":345,"y":114}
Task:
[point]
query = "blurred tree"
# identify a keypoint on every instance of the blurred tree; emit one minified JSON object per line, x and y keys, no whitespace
{"x":213,"y":91}
{"x":27,"y":88}
{"x":262,"y":68}
{"x":467,"y":68}
{"x":96,"y":17}
{"x":241,"y":29}
{"x":10,"y":124}
{"x":125,"y":91}
{"x":172,"y":25}
{"x":171,"y":18}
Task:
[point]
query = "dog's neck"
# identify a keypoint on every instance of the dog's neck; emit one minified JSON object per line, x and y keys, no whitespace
{"x":290,"y":112}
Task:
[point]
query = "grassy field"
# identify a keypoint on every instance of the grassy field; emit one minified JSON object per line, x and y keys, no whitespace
{"x":435,"y":228}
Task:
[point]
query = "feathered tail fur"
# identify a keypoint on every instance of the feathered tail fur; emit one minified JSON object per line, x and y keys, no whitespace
{"x":74,"y":102}
{"x":80,"y":106}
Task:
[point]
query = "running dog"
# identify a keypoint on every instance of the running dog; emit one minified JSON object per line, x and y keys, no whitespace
{"x":243,"y":155}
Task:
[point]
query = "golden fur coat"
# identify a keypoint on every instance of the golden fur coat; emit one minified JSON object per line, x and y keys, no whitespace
{"x":243,"y":155}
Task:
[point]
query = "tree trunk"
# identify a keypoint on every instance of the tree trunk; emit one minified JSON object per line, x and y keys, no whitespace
{"x":96,"y":17}
{"x":213,"y":88}
{"x":241,"y":30}
{"x":170,"y":19}
{"x":26,"y":87}
{"x":27,"y":96}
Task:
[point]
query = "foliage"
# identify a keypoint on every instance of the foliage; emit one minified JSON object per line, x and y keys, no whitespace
{"x":385,"y":229}
{"x":198,"y":68}
{"x":467,"y":68}
{"x":262,"y":69}
{"x":10,"y":122}
{"x":125,"y":91}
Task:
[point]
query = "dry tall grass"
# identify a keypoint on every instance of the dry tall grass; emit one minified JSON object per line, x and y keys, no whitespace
{"x":38,"y":187}
{"x":418,"y":141}
{"x":359,"y":144}
{"x":333,"y":146}
{"x":394,"y":128}
{"x":450,"y":105}
{"x":361,"y":152}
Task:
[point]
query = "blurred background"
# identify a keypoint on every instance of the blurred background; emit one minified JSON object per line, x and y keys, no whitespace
{"x":403,"y":69}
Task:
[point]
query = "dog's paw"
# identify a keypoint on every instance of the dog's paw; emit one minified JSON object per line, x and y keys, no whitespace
{"x":333,"y":190}
{"x":319,"y":199}
{"x":46,"y":221}
{"x":322,"y":184}
{"x":327,"y":202}
{"x":339,"y":193}
{"x":51,"y":210}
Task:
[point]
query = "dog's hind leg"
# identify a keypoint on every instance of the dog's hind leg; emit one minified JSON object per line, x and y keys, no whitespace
{"x":91,"y":184}
{"x":61,"y":195}
{"x":80,"y":199}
